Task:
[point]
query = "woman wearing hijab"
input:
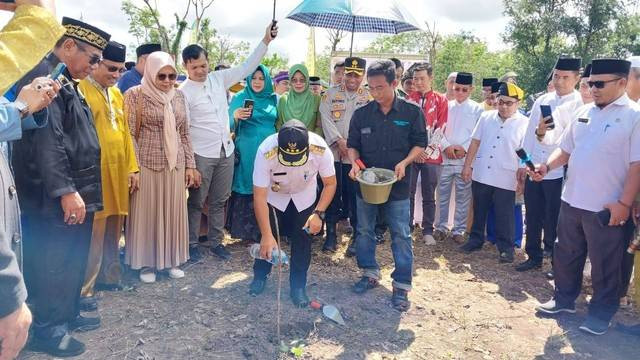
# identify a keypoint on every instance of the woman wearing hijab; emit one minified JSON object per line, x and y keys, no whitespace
{"x":251,"y":126}
{"x":157,"y":226}
{"x":299,"y":102}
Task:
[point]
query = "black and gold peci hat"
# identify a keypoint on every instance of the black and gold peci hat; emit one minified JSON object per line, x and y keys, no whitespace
{"x":293,"y":143}
{"x":86,"y":33}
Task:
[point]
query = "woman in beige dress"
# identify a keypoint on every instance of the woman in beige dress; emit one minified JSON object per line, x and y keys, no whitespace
{"x":157,"y":226}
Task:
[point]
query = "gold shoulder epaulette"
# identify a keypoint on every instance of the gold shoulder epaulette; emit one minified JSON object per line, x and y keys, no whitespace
{"x":317,"y":149}
{"x":271,"y":153}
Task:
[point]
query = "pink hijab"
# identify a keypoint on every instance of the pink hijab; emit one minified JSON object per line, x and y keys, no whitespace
{"x":155,"y":62}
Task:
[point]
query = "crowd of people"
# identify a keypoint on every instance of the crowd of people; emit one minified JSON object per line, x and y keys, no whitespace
{"x":99,"y":147}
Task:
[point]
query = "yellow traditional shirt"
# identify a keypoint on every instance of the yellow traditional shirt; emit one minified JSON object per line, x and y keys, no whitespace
{"x":24,"y":41}
{"x":117,"y":155}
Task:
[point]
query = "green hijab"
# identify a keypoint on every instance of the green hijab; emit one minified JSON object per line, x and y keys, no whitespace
{"x":301,"y":106}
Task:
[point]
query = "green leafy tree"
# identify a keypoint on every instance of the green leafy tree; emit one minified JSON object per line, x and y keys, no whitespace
{"x":276,"y":63}
{"x":541,"y":30}
{"x":464,"y":52}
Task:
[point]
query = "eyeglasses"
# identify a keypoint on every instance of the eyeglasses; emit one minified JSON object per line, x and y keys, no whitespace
{"x":600,"y":84}
{"x":460,"y":89}
{"x":163,"y":77}
{"x":113,"y":69}
{"x":298,"y":81}
{"x":93,"y":58}
{"x":506,"y":103}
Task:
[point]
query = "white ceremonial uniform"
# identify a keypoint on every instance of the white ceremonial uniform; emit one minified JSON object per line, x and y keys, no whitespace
{"x":297,"y":183}
{"x":602,"y":144}
{"x":461,"y":121}
{"x":336,"y":109}
{"x":496,"y":162}
{"x":540,"y":152}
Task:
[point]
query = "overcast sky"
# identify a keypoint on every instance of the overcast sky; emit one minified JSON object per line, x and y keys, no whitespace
{"x":246,"y":20}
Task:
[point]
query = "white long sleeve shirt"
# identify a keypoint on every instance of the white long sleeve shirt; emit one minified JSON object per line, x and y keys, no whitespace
{"x":540,"y":152}
{"x":563,"y":116}
{"x":208,"y":107}
{"x":462,"y":119}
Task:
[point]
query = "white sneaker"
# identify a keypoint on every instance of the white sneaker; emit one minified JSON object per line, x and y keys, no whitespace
{"x":176,"y":273}
{"x":429,"y":240}
{"x":147,"y":276}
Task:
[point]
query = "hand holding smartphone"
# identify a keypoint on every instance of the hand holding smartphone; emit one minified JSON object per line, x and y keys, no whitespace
{"x":248,"y":105}
{"x":545,"y":110}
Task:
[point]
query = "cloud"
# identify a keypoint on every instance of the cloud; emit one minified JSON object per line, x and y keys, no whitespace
{"x":245,"y":20}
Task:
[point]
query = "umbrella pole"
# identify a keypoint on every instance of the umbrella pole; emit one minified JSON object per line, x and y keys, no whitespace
{"x":353,"y":30}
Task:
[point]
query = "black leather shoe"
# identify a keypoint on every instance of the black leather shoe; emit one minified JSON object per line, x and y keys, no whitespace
{"x":530,"y":264}
{"x":84,"y":324}
{"x":469,"y":247}
{"x":221,"y":252}
{"x":351,"y":250}
{"x":257,"y":286}
{"x":88,"y":304}
{"x":62,"y":346}
{"x":506,"y":257}
{"x":549,"y":275}
{"x":299,"y":297}
{"x":365,"y":284}
{"x":195,"y":254}
{"x":331,"y":239}
{"x":400,"y":300}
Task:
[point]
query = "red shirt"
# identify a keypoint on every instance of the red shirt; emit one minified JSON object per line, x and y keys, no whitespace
{"x":435,"y":107}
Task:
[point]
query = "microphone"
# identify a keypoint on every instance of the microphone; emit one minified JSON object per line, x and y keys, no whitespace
{"x":525,"y":158}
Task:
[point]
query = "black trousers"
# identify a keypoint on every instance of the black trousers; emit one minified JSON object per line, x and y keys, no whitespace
{"x":581,"y":235}
{"x":344,"y":202}
{"x":542,"y":200}
{"x":55,"y":261}
{"x":503,"y":201}
{"x":291,"y":222}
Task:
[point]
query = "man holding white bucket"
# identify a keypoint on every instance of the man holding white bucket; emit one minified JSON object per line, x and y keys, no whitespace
{"x":388,"y":133}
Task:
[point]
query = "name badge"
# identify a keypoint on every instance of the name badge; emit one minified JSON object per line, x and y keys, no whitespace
{"x":366,"y":130}
{"x":583,"y":120}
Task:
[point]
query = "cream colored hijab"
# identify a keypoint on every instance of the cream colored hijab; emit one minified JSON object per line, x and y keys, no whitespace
{"x":155,"y":62}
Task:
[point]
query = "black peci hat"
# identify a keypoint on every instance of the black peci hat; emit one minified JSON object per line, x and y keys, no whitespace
{"x":464,"y":78}
{"x":146,"y":49}
{"x":86,"y":33}
{"x":587,"y":71}
{"x":610,"y":66}
{"x":489,"y":81}
{"x":115,"y":52}
{"x":568,"y":64}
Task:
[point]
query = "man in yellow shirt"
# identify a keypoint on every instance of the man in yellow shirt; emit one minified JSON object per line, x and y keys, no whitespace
{"x":119,"y":171}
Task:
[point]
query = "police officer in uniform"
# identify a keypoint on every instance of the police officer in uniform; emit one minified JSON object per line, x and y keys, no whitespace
{"x":602,"y":148}
{"x":284,"y":190}
{"x":336,"y":109}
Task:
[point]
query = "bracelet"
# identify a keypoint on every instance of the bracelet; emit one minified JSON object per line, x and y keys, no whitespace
{"x":623,"y":204}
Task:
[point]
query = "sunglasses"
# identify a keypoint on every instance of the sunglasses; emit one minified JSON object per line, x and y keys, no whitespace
{"x":113,"y":69}
{"x":600,"y":84}
{"x":460,"y":89}
{"x":93,"y":58}
{"x":163,"y":77}
{"x":506,"y":103}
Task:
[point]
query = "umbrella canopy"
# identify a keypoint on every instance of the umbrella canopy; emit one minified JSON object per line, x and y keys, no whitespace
{"x":370,"y":16}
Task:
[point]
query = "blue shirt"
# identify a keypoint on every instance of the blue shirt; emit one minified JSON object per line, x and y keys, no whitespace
{"x":129,"y":79}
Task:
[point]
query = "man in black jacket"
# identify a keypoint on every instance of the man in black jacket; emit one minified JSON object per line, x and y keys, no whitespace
{"x":57,"y":170}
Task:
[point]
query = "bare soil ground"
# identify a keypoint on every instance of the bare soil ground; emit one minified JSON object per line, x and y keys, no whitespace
{"x":464,"y":307}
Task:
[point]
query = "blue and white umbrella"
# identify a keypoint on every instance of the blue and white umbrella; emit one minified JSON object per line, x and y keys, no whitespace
{"x":368,"y":16}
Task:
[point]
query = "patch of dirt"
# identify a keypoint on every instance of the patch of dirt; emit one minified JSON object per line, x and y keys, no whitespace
{"x":463,"y":307}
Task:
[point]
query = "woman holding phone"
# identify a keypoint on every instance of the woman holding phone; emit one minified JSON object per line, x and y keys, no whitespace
{"x":254,"y":114}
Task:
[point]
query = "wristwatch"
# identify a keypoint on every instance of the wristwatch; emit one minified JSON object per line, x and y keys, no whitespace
{"x":321,"y":214}
{"x":22,"y":108}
